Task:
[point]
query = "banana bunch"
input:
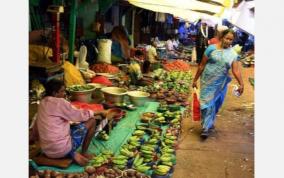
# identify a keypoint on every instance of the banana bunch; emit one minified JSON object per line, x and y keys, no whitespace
{"x":161,"y":169}
{"x":169,"y":142}
{"x":147,"y":148}
{"x":168,"y":150}
{"x":171,"y":137}
{"x":99,"y":160}
{"x":138,"y":160}
{"x":175,"y":121}
{"x":119,"y":161}
{"x":134,"y":143}
{"x":140,"y":127}
{"x":143,"y":168}
{"x":160,"y":120}
{"x":148,"y":152}
{"x":156,"y":134}
{"x":167,"y":163}
{"x":166,"y":158}
{"x":126,"y":152}
{"x":133,"y":138}
{"x":152,"y":141}
{"x":139,"y":133}
{"x":107,"y":152}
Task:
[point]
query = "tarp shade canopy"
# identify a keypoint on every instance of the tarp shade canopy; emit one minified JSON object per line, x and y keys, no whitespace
{"x":243,"y":17}
{"x":190,"y":10}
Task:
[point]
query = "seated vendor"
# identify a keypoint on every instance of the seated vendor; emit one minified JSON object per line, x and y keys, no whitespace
{"x":171,"y":52}
{"x":57,"y":138}
{"x":135,"y":72}
{"x":152,"y":53}
{"x":140,"y":59}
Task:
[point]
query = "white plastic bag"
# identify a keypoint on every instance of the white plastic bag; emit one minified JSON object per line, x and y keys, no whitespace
{"x":104,"y":47}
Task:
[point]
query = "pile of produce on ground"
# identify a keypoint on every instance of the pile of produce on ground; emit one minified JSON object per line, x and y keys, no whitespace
{"x":176,"y":65}
{"x":149,"y":151}
{"x":172,"y":87}
{"x":247,"y":60}
{"x":105,"y":68}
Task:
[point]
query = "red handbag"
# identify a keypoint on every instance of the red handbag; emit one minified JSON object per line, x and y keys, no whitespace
{"x":196,"y":114}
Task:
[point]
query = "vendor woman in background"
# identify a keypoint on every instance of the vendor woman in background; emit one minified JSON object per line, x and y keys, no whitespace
{"x":152,"y":55}
{"x":214,"y":72}
{"x":120,"y":48}
{"x":59,"y":139}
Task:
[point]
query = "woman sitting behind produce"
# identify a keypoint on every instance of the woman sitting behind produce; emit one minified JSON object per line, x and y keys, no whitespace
{"x":120,"y":48}
{"x":171,"y":52}
{"x":152,"y":52}
{"x":135,"y":71}
{"x":57,"y":137}
{"x":140,"y":59}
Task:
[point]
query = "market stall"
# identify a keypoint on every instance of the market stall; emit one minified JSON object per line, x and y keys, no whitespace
{"x":142,"y":137}
{"x":147,"y":109}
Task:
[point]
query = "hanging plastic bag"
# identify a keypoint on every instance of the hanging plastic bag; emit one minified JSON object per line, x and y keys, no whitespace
{"x":196,"y":114}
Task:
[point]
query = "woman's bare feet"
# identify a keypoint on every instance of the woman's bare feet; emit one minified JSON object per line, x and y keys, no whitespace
{"x":80,"y":159}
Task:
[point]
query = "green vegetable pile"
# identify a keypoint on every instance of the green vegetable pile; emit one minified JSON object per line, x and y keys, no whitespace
{"x":175,"y":80}
{"x":80,"y":88}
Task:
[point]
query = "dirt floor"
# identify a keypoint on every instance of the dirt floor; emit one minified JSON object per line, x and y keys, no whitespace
{"x":229,"y":153}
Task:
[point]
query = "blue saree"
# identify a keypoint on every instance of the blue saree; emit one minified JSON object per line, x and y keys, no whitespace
{"x":213,"y":82}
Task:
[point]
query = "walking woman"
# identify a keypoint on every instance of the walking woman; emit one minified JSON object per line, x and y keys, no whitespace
{"x":213,"y":69}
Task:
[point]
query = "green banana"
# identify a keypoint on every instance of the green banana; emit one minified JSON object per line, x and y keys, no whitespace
{"x":162,"y":169}
{"x":165,"y":159}
{"x":153,"y":141}
{"x":146,"y":160}
{"x":168,"y":155}
{"x":121,"y":167}
{"x":133,"y":138}
{"x":126,"y":152}
{"x":134,"y":143}
{"x":138,"y":132}
{"x":139,"y":162}
{"x":141,"y":127}
{"x":167,"y":163}
{"x":171,"y":137}
{"x":119,"y":157}
{"x":119,"y":162}
{"x":96,"y":164}
{"x":107,"y":152}
{"x":174,"y":121}
{"x":144,"y":147}
{"x":168,"y":141}
{"x":146,"y":151}
{"x":142,"y":168}
{"x":168,"y":150}
{"x":136,"y":158}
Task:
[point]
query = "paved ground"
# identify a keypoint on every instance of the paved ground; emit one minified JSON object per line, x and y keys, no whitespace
{"x":229,"y":153}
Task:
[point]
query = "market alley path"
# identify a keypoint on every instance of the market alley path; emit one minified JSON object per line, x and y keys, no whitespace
{"x":229,"y":152}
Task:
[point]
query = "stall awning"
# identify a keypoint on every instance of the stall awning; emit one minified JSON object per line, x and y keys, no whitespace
{"x":190,"y":10}
{"x":243,"y":17}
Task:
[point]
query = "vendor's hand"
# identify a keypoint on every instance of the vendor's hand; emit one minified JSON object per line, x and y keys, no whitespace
{"x":194,"y":85}
{"x":241,"y":89}
{"x":102,"y":113}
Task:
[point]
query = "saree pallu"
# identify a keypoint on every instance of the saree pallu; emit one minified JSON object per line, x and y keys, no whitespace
{"x":213,"y":83}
